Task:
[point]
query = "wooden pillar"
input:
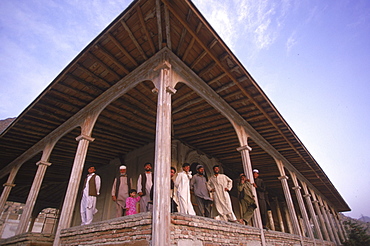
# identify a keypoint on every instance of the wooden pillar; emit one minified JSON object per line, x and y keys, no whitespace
{"x":331,"y":222}
{"x":244,"y":150}
{"x":307,"y":196}
{"x":32,"y":196}
{"x":74,"y":182}
{"x":278,"y":212}
{"x":302,"y":207}
{"x":325,"y":216}
{"x":316,"y":204}
{"x":288,"y":220}
{"x":337,"y":222}
{"x":271,"y":220}
{"x":289,"y":201}
{"x":7,"y":188}
{"x":162,"y":160}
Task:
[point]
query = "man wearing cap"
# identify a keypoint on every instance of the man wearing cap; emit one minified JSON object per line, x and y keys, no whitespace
{"x":144,"y":187}
{"x":261,"y":189}
{"x":120,"y":191}
{"x":90,"y":191}
{"x":246,"y":199}
{"x":220,"y":185}
{"x":182,"y":183}
{"x":199,"y":185}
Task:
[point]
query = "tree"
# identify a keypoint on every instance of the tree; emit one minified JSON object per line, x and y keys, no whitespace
{"x":357,"y":235}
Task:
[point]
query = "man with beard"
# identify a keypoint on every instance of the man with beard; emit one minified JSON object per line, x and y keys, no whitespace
{"x":199,"y":184}
{"x":220,"y":185}
{"x":144,"y":187}
{"x":120,"y":191}
{"x":246,"y":199}
{"x":90,"y":191}
{"x":174,"y":202}
{"x":259,"y":184}
{"x":182,"y":183}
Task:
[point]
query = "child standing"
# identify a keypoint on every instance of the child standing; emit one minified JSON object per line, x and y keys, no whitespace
{"x":131,"y":202}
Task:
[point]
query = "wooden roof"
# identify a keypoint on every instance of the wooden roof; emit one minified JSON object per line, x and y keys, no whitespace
{"x":128,"y":123}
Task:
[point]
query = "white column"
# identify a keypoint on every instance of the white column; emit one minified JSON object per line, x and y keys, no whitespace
{"x":32,"y":196}
{"x":247,"y":167}
{"x":331,"y":221}
{"x":326,"y":219}
{"x":271,"y":220}
{"x":289,"y":201}
{"x":337,"y":222}
{"x":302,"y":207}
{"x":162,"y":160}
{"x":280,"y":218}
{"x":244,"y":150}
{"x":307,"y":196}
{"x":74,"y":182}
{"x":316,"y":204}
{"x":7,"y":188}
{"x":287,"y":219}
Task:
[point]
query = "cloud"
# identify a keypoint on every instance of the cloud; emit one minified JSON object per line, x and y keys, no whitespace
{"x":291,"y":42}
{"x":258,"y":23}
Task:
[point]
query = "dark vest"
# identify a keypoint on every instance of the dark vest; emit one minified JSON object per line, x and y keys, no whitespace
{"x":92,"y":186}
{"x":118,"y":183}
{"x":143,"y":182}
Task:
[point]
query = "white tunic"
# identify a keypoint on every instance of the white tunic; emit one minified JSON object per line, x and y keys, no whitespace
{"x":182,"y":183}
{"x":221,"y":198}
{"x":88,"y":203}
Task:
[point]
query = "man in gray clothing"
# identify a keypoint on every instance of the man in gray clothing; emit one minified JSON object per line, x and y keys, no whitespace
{"x":199,"y":184}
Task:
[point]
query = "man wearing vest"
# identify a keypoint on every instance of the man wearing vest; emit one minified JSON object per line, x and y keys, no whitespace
{"x":144,"y":187}
{"x":90,"y":192}
{"x":120,"y":191}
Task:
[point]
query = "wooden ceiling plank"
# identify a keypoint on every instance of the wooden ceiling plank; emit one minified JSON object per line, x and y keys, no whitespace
{"x":142,"y":22}
{"x":108,"y":55}
{"x":92,"y":75}
{"x":168,"y":27}
{"x":203,"y":54}
{"x":122,"y":49}
{"x":159,"y":23}
{"x":111,"y":71}
{"x":131,"y":35}
{"x":190,"y":46}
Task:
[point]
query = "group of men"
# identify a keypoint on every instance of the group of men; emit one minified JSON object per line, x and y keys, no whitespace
{"x":121,"y":188}
{"x":211,"y":195}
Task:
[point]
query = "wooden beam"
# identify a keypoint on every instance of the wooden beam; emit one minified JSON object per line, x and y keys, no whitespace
{"x":122,"y":49}
{"x":159,"y":23}
{"x":131,"y":35}
{"x":112,"y":58}
{"x":142,"y":22}
{"x":190,"y":46}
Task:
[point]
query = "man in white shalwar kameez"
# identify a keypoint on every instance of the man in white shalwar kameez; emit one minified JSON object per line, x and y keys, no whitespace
{"x":219,"y":185}
{"x":90,"y":192}
{"x":182,"y":183}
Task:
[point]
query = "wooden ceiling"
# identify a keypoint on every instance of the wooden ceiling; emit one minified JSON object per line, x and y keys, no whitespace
{"x":128,"y":123}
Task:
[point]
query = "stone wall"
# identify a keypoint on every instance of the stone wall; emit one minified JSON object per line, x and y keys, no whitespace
{"x":185,"y":231}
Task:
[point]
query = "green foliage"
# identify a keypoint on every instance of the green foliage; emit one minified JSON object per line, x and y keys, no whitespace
{"x":357,"y":235}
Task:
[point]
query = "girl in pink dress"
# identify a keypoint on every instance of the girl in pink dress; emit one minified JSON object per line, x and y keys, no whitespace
{"x":131,"y":202}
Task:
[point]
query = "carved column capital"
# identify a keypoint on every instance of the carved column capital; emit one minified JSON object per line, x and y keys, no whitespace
{"x":296,"y":187}
{"x":43,"y":163}
{"x":245,"y":147}
{"x":283,"y":177}
{"x":171,"y":90}
{"x":83,"y":136}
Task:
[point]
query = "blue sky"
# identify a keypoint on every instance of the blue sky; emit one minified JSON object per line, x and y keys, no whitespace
{"x":311,"y":58}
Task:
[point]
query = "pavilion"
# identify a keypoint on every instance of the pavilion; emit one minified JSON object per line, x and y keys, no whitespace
{"x":159,"y":85}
